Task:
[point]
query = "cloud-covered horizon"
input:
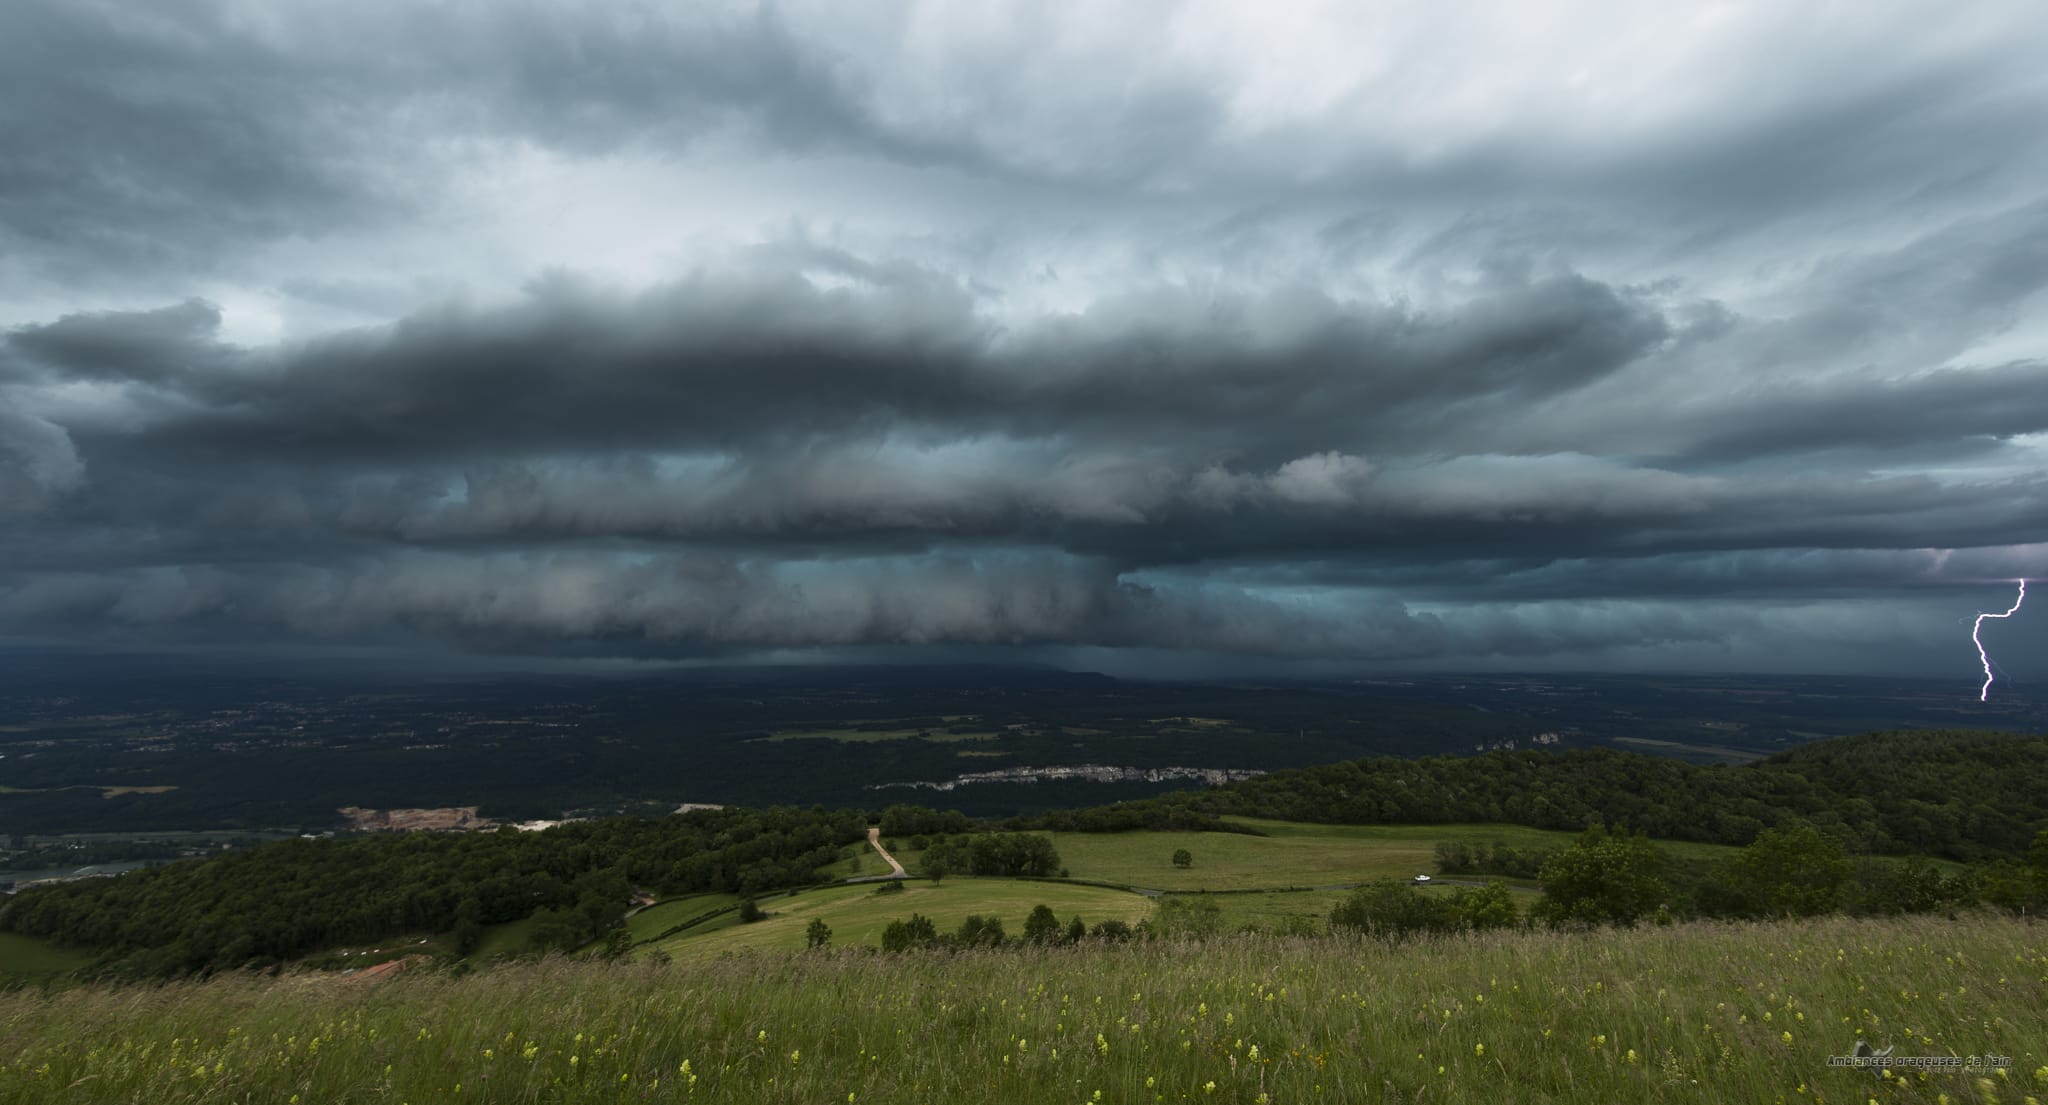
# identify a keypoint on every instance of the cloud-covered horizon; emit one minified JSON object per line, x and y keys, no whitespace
{"x":1691,"y":338}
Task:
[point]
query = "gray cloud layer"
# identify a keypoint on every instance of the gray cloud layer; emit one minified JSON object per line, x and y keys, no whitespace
{"x":538,"y":327}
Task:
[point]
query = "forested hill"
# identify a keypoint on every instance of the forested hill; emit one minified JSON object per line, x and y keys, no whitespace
{"x":288,"y":898}
{"x":1966,"y":795}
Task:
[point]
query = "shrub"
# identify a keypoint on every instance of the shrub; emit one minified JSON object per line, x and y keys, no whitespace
{"x":1605,"y":877}
{"x":918,"y":932}
{"x":1791,"y":873}
{"x":981,"y":932}
{"x":1186,"y":918}
{"x":1112,"y":931}
{"x":1042,"y":926}
{"x":1489,"y":907}
{"x":1394,"y":910}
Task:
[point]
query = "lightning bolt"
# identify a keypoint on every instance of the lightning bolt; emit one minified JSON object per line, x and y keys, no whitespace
{"x":1983,"y":656}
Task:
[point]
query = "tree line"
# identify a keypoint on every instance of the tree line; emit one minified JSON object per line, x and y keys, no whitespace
{"x":1960,"y":795}
{"x":1042,"y":928}
{"x":1008,"y":855}
{"x":1611,"y":877}
{"x":271,"y":903}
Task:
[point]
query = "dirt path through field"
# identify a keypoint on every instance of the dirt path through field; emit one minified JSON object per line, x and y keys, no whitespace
{"x":896,"y":870}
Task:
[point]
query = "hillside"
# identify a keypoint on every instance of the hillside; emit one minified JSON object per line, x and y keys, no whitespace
{"x":282,"y":900}
{"x":1294,"y":836}
{"x":1692,"y":1013}
{"x":1964,"y":795}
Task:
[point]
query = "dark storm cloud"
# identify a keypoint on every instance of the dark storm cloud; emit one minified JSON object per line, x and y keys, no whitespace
{"x":166,"y":346}
{"x":155,"y":138}
{"x":717,"y":361}
{"x":150,"y":136}
{"x":760,"y":412}
{"x":700,"y":606}
{"x":1946,"y":405}
{"x":152,"y":139}
{"x":1004,"y":332}
{"x":37,"y":462}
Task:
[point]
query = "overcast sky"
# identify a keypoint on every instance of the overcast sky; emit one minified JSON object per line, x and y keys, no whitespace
{"x":1140,"y":337}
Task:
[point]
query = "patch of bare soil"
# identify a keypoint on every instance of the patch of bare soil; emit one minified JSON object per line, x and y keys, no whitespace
{"x":412,"y":821}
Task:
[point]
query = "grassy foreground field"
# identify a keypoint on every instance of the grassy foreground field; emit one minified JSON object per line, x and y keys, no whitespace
{"x":1703,"y":1013}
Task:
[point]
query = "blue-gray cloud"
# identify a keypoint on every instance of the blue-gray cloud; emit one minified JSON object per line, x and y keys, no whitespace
{"x":604,"y":329}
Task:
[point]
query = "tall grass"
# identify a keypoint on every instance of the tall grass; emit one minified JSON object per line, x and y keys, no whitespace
{"x":1718,"y":1013}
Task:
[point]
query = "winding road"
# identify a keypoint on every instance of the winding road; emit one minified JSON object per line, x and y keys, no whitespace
{"x":896,"y":870}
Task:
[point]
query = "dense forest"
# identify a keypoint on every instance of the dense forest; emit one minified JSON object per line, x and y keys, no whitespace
{"x":291,"y":897}
{"x":1958,"y":794}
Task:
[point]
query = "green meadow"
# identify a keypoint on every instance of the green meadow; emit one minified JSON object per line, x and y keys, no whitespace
{"x":1705,"y":1013}
{"x":857,"y":914}
{"x":863,"y":861}
{"x":657,"y":919}
{"x":1294,"y":854}
{"x":1289,"y":877}
{"x":1291,"y":910}
{"x":509,"y":938}
{"x":24,"y":958}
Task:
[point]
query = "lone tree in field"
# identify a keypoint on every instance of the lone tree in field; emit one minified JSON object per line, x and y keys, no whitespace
{"x":1183,"y":858}
{"x":1042,"y":927}
{"x":818,"y":934}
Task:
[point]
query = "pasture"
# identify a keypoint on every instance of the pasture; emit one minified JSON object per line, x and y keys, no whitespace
{"x":25,"y":959}
{"x":1294,"y":855}
{"x":857,"y":914}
